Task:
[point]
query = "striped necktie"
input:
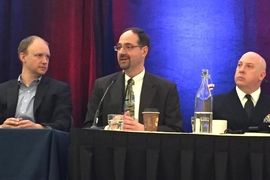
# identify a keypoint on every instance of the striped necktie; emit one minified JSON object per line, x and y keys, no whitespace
{"x":130,"y":99}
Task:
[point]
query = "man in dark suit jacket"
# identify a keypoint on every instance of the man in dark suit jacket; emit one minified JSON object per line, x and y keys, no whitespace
{"x":150,"y":91}
{"x":250,"y":72}
{"x":33,"y":100}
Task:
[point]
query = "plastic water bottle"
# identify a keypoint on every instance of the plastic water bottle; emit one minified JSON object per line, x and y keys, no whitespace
{"x":203,"y":113}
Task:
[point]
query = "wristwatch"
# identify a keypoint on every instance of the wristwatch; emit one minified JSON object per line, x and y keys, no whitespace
{"x":47,"y":127}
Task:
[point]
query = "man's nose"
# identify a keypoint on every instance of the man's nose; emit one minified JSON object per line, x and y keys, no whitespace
{"x":241,"y":69}
{"x":45,"y":60}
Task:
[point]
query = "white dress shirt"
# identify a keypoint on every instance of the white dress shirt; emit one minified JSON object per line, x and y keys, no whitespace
{"x":254,"y":96}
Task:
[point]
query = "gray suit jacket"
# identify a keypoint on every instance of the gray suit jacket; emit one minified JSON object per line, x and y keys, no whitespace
{"x":156,"y":93}
{"x":52,"y":104}
{"x":228,"y":106}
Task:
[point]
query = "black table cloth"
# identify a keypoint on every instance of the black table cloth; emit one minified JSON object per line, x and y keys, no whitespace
{"x":102,"y":155}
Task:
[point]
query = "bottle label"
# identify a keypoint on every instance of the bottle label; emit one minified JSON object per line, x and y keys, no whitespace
{"x":203,"y":122}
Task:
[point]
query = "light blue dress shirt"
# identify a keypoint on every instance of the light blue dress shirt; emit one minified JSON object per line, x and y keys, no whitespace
{"x":26,"y":97}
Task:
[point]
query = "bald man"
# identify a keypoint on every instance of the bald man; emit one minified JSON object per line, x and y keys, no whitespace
{"x":249,"y":74}
{"x":34,"y":101}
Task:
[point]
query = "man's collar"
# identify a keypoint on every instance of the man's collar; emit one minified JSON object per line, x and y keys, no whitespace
{"x":20,"y":79}
{"x":136,"y":78}
{"x":255,"y":95}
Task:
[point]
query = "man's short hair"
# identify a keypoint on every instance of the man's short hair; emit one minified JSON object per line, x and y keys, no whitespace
{"x":26,"y":42}
{"x":143,"y":37}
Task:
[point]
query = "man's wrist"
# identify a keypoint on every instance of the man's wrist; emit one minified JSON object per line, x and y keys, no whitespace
{"x":46,"y":127}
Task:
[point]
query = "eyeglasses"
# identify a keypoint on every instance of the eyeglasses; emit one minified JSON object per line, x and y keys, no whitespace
{"x":126,"y":47}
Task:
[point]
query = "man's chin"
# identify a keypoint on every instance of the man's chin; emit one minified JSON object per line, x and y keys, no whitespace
{"x":240,"y":84}
{"x":124,"y":67}
{"x":41,"y":73}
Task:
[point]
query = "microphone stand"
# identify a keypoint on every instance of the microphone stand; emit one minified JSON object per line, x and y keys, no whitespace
{"x":95,"y":121}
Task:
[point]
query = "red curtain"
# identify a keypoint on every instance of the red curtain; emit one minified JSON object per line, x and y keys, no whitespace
{"x":71,"y":32}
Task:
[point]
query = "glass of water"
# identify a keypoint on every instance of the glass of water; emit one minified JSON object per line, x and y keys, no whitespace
{"x":115,"y":122}
{"x":205,"y":125}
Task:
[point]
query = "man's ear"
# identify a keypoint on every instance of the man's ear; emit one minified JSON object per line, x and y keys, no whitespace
{"x":22,"y":57}
{"x":145,"y":50}
{"x":263,"y":74}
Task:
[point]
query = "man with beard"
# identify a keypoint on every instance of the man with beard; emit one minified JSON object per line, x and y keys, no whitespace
{"x":34,"y":101}
{"x":150,"y":91}
{"x":245,"y":107}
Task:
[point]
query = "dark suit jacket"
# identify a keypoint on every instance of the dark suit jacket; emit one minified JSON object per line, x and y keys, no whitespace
{"x":52,"y":104}
{"x":156,"y":93}
{"x":228,"y":106}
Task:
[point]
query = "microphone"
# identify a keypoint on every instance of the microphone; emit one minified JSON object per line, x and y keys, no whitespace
{"x":262,"y":127}
{"x":230,"y":131}
{"x":253,"y":129}
{"x":95,"y":122}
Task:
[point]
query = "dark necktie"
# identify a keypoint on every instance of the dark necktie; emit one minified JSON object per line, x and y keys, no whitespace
{"x":130,"y":99}
{"x":249,"y":105}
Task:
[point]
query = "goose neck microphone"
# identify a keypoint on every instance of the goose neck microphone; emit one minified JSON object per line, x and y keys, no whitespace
{"x":95,"y":122}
